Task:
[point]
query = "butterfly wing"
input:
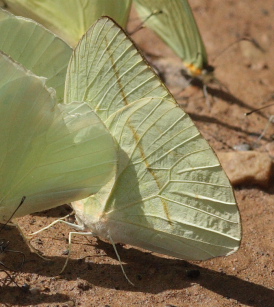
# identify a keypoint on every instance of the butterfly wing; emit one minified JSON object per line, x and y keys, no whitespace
{"x":70,"y":19}
{"x":108,"y":72}
{"x":174,"y":23}
{"x":50,"y":153}
{"x":36,"y":48}
{"x":170,"y":195}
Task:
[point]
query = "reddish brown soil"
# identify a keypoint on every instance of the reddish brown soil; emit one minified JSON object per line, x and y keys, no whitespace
{"x":246,"y":278}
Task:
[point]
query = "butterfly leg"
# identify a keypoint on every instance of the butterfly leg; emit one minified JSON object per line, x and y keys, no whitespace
{"x":270,"y":121}
{"x":26,"y":239}
{"x":36,"y":251}
{"x":69,"y":245}
{"x":92,"y":234}
{"x":61,"y":220}
{"x":119,"y":259}
{"x":78,"y":227}
{"x":207,"y":97}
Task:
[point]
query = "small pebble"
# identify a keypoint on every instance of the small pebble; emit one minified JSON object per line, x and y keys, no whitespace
{"x":65,"y":252}
{"x":242,"y":147}
{"x":247,"y":167}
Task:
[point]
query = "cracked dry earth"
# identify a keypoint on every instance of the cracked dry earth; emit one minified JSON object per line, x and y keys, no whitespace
{"x":93,"y":276}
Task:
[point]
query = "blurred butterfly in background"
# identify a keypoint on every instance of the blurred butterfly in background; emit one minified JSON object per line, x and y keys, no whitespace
{"x":174,"y":23}
{"x":70,"y":19}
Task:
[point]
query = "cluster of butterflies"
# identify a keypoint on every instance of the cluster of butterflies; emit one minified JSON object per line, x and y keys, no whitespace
{"x":84,"y":120}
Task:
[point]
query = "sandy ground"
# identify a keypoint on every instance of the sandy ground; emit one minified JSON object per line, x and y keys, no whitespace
{"x":246,"y":278}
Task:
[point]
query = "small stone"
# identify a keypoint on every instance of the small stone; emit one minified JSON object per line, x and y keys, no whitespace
{"x":242,"y":147}
{"x":247,"y":167}
{"x":65,"y":252}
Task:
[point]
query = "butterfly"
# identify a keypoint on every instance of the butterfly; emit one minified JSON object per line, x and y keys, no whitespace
{"x":174,"y":23}
{"x":70,"y":19}
{"x":51,"y":153}
{"x":170,"y":194}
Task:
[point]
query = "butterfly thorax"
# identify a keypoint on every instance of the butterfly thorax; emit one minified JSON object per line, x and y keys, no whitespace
{"x":206,"y":73}
{"x":94,"y":223}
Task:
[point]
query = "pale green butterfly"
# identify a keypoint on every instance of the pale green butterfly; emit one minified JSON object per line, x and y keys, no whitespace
{"x":50,"y":153}
{"x":170,"y":194}
{"x":70,"y":19}
{"x":174,"y":22}
{"x":36,"y":48}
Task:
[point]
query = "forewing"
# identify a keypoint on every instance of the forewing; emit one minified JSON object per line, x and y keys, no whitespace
{"x":107,"y":71}
{"x":50,"y":153}
{"x":36,"y":48}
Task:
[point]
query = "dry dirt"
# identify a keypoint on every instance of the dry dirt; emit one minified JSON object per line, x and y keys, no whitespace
{"x":246,"y":278}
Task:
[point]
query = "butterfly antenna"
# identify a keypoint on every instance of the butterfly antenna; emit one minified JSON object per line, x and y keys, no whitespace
{"x":256,"y":110}
{"x":142,"y":24}
{"x":119,"y":259}
{"x":21,"y":203}
{"x":9,"y":276}
{"x":270,"y":121}
{"x":60,"y":220}
{"x":4,"y":243}
{"x":249,"y":39}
